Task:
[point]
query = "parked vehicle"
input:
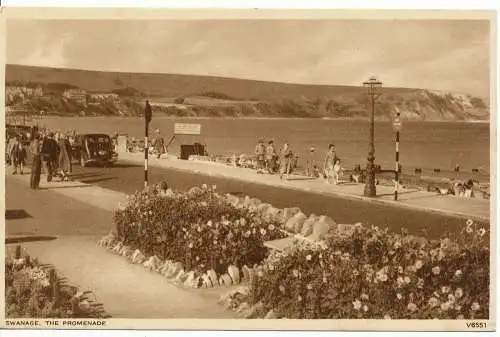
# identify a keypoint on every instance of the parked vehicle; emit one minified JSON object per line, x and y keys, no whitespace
{"x":94,"y":148}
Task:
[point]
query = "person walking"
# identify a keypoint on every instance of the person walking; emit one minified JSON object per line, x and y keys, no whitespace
{"x":286,"y":161}
{"x":36,"y":163}
{"x":64,"y":157}
{"x":260,"y":152}
{"x":49,"y":155}
{"x":158,"y":144}
{"x":330,"y":159}
{"x":18,"y":155}
{"x":271,"y":157}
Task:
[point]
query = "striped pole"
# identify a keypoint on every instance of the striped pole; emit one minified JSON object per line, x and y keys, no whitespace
{"x":396,"y":185}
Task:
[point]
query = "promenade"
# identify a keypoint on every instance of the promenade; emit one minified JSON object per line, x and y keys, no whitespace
{"x":61,"y":223}
{"x":408,"y":198}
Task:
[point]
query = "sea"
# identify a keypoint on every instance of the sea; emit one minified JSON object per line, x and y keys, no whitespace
{"x":424,"y":145}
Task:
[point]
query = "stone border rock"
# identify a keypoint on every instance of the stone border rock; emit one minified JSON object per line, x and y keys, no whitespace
{"x":174,"y":270}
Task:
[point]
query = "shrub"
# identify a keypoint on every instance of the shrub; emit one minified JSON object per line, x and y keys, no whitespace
{"x":200,"y":228}
{"x":370,"y":273}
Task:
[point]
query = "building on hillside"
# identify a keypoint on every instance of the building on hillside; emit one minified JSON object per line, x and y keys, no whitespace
{"x":21,"y":93}
{"x":77,"y":95}
{"x":103,"y":96}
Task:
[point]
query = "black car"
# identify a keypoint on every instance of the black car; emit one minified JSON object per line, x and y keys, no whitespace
{"x":93,"y":148}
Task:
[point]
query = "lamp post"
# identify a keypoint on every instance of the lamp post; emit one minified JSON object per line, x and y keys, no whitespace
{"x":373,"y":87}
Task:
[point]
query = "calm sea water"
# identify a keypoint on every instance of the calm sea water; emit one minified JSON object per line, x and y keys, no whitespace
{"x":425,"y":145}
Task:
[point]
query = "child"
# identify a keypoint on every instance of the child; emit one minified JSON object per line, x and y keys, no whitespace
{"x":337,"y":172}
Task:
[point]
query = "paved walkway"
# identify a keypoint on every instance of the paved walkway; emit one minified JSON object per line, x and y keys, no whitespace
{"x":126,"y":290}
{"x":415,"y":199}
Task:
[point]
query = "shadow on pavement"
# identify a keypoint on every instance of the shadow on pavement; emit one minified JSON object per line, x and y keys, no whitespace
{"x":66,"y":186}
{"x":28,"y":238}
{"x":90,"y":181}
{"x":123,"y":165}
{"x":16,"y":214}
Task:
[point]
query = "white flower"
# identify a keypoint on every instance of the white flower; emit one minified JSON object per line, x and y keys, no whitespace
{"x":150,"y":212}
{"x":412,"y":307}
{"x":214,"y":187}
{"x":282,"y":289}
{"x":458,"y":307}
{"x":271,"y":267}
{"x":262,"y":231}
{"x":400,"y":281}
{"x":481,"y":231}
{"x":400,"y":270}
{"x":325,"y":280}
{"x":299,"y":299}
{"x":197,"y":258}
{"x":295,"y":273}
{"x":308,"y":257}
{"x":365,"y":297}
{"x":418,"y":264}
{"x":445,"y":306}
{"x":199,"y":229}
{"x":475,"y":306}
{"x":433,"y":302}
{"x":209,"y":223}
{"x":309,"y":286}
{"x":469,"y":222}
{"x":215,"y":242}
{"x":436,"y":270}
{"x":469,"y":230}
{"x":260,"y":273}
{"x":397,"y":244}
{"x":459,"y":293}
{"x":271,"y":227}
{"x":190,"y":245}
{"x":407,"y":280}
{"x":399,"y":296}
{"x":365,"y":308}
{"x":451,"y":298}
{"x":357,"y":304}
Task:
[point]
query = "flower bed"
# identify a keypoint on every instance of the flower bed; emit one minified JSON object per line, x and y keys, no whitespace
{"x":365,"y":272}
{"x":36,"y":291}
{"x":201,"y":230}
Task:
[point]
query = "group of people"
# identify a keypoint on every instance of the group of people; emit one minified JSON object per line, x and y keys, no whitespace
{"x":48,"y":151}
{"x":268,"y":160}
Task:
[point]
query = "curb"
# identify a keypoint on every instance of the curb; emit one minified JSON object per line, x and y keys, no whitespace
{"x":461,"y":215}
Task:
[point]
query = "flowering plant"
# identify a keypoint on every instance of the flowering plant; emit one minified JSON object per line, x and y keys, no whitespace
{"x":200,"y":228}
{"x":35,"y":291}
{"x":371,"y":273}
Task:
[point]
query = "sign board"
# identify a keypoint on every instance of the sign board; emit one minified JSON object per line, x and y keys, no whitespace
{"x":397,"y":124}
{"x":187,"y":129}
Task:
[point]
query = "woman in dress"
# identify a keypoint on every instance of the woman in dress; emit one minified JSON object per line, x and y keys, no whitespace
{"x":36,"y":164}
{"x":64,"y":159}
{"x":330,"y":159}
{"x":286,"y":160}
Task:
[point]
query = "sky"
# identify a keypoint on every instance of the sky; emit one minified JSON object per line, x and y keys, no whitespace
{"x":449,"y":55}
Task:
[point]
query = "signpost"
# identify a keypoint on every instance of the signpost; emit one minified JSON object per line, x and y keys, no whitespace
{"x":397,"y":125}
{"x":187,"y":129}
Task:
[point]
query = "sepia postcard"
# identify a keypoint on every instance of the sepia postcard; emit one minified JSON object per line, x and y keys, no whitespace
{"x":249,"y":169}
